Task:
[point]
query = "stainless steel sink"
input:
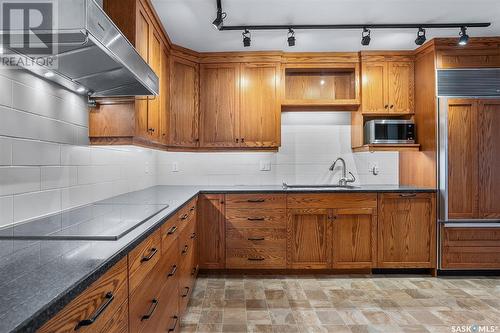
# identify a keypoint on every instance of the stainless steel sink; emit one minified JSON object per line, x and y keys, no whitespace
{"x":319,"y":186}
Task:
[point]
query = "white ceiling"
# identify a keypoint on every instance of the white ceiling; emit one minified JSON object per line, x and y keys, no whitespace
{"x":188,"y":22}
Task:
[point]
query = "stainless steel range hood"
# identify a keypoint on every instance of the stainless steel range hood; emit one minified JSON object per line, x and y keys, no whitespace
{"x":91,"y":54}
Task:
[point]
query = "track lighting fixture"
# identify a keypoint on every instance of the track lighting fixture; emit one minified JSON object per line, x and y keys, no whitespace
{"x":219,"y":20}
{"x":365,"y":37}
{"x":291,"y":37}
{"x":420,"y":36}
{"x":464,"y":38}
{"x":246,"y":38}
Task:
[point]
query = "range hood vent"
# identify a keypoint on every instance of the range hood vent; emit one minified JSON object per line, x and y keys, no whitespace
{"x":468,"y":82}
{"x":91,"y":54}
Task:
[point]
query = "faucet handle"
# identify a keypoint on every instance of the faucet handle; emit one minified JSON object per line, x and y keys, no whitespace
{"x":352,"y":180}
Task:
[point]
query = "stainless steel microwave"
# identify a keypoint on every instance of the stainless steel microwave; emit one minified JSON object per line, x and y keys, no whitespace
{"x":389,"y":131}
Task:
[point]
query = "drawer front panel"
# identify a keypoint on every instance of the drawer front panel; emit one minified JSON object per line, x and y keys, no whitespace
{"x":185,"y":215}
{"x":187,"y":242}
{"x":108,"y":294}
{"x":143,"y":258}
{"x":336,"y":200}
{"x":256,"y":218}
{"x":249,"y":258}
{"x":256,"y":238}
{"x":119,"y":322}
{"x":255,"y":201}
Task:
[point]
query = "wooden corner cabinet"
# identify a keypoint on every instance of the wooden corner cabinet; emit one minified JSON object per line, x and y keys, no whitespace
{"x":211,"y":231}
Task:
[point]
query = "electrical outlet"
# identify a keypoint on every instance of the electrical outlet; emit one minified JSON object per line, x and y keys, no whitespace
{"x":175,"y":167}
{"x":374,"y":170}
{"x":147,"y":169}
{"x":265,"y":166}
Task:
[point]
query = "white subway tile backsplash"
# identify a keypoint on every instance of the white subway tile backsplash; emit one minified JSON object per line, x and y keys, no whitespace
{"x":6,"y":211}
{"x":15,"y":180}
{"x":29,"y":205}
{"x":6,"y":89}
{"x":5,"y":151}
{"x":25,"y":152}
{"x":76,"y":196}
{"x":75,"y":155}
{"x":53,"y":177}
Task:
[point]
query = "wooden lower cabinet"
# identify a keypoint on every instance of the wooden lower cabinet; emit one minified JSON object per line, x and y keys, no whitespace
{"x":354,"y":238}
{"x":470,"y":248}
{"x":407,"y":230}
{"x":211,"y":231}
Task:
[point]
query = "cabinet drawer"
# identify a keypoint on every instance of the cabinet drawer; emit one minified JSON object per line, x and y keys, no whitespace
{"x":256,"y":238}
{"x":470,"y":248}
{"x":256,"y":218}
{"x":119,"y":322}
{"x":332,"y":201}
{"x":96,"y":306}
{"x":186,"y":246}
{"x":186,"y":284}
{"x":248,"y":258}
{"x":143,"y":258}
{"x":185,"y":215}
{"x":255,"y":201}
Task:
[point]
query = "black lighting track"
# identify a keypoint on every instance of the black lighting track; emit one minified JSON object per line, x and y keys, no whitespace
{"x":346,"y":26}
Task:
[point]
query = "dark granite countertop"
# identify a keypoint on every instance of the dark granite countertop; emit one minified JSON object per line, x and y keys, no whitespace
{"x":38,"y":278}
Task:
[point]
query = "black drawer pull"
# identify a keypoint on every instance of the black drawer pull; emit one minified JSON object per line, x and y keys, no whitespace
{"x":187,"y":292}
{"x":184,"y":217}
{"x":256,"y":259}
{"x":172,"y":272}
{"x":185,"y":250}
{"x":256,"y":238}
{"x":410,"y":195}
{"x":256,"y":200}
{"x":256,"y":218}
{"x":172,"y":230}
{"x":191,"y":209}
{"x":193,"y":235}
{"x":150,"y":255}
{"x":108,"y":298}
{"x":193,"y":272}
{"x":176,"y":319}
{"x":154,"y":304}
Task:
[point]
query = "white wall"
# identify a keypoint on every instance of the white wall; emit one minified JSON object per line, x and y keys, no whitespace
{"x":45,"y":163}
{"x":311,"y":141}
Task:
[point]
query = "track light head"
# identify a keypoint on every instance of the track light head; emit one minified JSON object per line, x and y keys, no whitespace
{"x":291,"y":37}
{"x":420,"y":36}
{"x":219,"y":20}
{"x":365,"y":37}
{"x":246,"y":38}
{"x":464,"y":38}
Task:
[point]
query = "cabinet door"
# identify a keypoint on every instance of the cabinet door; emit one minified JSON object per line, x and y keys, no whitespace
{"x":489,"y":158}
{"x":462,"y":159}
{"x":142,"y":44}
{"x":406,"y":230}
{"x":401,"y":85}
{"x":211,"y":231}
{"x":374,"y":87}
{"x":354,"y":238}
{"x":219,"y":105}
{"x":154,"y":103}
{"x":164,"y":95}
{"x":260,"y":113}
{"x":309,"y":238}
{"x":183,"y":103}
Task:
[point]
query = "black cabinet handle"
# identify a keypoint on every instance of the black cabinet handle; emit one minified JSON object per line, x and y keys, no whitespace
{"x":154,"y":304}
{"x":256,"y":200}
{"x":193,"y":272}
{"x":410,"y":195}
{"x":392,"y":106}
{"x":191,"y":209}
{"x":172,"y":272}
{"x":386,"y":106}
{"x":185,"y":250}
{"x":187,"y":292}
{"x":256,"y":259}
{"x":184,"y":217}
{"x":108,"y":298}
{"x":193,"y":235}
{"x":256,"y":239}
{"x":176,"y":319}
{"x":242,"y":140}
{"x":237,"y":140}
{"x":150,"y":255}
{"x":256,"y":219}
{"x":172,"y":230}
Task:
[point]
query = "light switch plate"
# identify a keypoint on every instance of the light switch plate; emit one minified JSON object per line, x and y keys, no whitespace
{"x":175,"y":167}
{"x":265,"y":166}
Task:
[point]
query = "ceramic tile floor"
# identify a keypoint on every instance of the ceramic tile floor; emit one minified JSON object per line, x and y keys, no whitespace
{"x":378,"y":303}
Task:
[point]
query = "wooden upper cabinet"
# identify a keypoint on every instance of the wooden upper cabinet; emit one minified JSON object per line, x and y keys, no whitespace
{"x":463,"y":161}
{"x":211,"y":231}
{"x":489,"y":158}
{"x":388,"y":85}
{"x":354,"y":238}
{"x":407,"y":230}
{"x":260,"y":110}
{"x":488,"y":57}
{"x":154,"y":103}
{"x":164,"y":95}
{"x":143,"y":32}
{"x":374,"y":90}
{"x":219,"y":105}
{"x":309,"y":238}
{"x":183,"y":103}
